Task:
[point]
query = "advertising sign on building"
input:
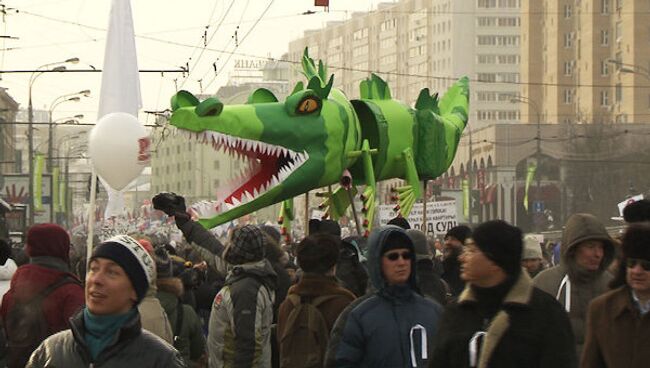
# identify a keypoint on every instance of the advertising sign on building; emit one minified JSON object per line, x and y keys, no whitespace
{"x":16,"y":191}
{"x":441,"y":216}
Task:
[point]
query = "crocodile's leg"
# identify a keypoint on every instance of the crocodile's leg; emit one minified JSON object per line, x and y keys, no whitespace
{"x":369,"y":193}
{"x":409,"y":193}
{"x":337,"y":202}
{"x":286,"y":218}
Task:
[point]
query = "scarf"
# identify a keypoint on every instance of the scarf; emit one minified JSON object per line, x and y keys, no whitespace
{"x":101,"y":330}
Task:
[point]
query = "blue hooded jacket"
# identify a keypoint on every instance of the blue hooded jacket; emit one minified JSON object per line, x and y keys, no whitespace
{"x":394,"y":326}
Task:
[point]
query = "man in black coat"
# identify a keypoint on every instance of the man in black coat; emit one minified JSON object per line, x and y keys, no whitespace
{"x":500,"y":319}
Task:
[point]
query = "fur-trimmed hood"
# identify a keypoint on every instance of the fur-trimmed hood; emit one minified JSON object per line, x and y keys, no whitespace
{"x":520,"y":294}
{"x":172,"y":285}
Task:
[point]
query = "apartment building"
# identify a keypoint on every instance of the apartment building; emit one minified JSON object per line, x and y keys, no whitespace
{"x":586,"y":61}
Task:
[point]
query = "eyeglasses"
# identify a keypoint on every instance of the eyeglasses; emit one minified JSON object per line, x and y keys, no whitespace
{"x":632,"y":262}
{"x":394,"y":256}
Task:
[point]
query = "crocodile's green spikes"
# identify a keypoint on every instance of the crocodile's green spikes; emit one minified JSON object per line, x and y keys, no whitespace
{"x":299,"y":87}
{"x":316,"y":86}
{"x":375,"y":88}
{"x":322,"y":70}
{"x":261,"y":95}
{"x":427,"y":102}
{"x":456,"y":100}
{"x":308,"y":66}
{"x":183,"y":99}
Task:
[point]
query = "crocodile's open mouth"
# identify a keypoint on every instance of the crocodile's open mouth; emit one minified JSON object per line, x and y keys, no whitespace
{"x":266,"y":166}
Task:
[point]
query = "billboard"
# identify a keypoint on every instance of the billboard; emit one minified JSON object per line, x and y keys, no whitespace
{"x":441,"y":216}
{"x":16,"y":191}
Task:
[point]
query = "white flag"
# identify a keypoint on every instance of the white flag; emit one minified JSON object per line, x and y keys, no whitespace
{"x":120,"y":79}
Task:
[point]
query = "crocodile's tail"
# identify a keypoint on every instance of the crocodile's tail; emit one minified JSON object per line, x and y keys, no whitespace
{"x":440,"y":126}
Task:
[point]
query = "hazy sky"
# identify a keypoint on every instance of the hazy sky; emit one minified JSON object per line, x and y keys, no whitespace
{"x":55,"y":30}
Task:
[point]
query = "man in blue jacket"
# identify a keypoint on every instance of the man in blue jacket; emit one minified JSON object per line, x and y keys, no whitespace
{"x":394,"y":326}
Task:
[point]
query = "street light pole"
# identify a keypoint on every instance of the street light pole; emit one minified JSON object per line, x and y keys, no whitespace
{"x":538,"y":150}
{"x":30,"y":130}
{"x":71,"y":97}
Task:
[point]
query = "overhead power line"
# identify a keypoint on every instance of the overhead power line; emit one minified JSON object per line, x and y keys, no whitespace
{"x":336,"y":67}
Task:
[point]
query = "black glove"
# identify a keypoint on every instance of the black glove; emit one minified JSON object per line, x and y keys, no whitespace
{"x":169,"y":202}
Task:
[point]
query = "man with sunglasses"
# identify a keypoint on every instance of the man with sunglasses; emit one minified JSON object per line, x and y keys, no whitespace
{"x":618,"y":322}
{"x":394,"y":326}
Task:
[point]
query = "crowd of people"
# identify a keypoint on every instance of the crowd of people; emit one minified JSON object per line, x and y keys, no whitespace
{"x":487,"y":296}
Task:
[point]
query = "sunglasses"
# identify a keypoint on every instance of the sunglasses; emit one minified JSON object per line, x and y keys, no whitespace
{"x":632,"y":262}
{"x":394,"y":256}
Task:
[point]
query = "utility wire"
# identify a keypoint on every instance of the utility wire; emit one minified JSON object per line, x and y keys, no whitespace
{"x":206,"y":42}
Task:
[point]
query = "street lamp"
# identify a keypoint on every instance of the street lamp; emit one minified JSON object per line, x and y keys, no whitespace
{"x":49,"y":67}
{"x":70,"y":97}
{"x":538,"y":138}
{"x":630,"y":68}
{"x":66,"y":198}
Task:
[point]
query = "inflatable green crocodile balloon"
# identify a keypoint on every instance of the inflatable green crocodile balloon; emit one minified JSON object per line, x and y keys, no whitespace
{"x":317,"y":136}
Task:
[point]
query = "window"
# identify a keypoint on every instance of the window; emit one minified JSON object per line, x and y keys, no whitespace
{"x":619,"y":31}
{"x":568,"y":66}
{"x":568,"y":96}
{"x":567,"y":11}
{"x":619,"y":3}
{"x":568,"y":40}
{"x":604,"y":98}
{"x":178,"y":149}
{"x":619,"y":93}
{"x":487,"y":3}
{"x":604,"y":67}
{"x":216,"y":183}
{"x":604,"y":37}
{"x":216,"y":165}
{"x":604,"y":6}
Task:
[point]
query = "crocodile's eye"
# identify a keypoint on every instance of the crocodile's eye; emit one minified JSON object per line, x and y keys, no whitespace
{"x":307,"y":105}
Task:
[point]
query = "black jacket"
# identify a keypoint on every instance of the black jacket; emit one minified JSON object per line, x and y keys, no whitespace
{"x":131,"y":347}
{"x":530,"y":330}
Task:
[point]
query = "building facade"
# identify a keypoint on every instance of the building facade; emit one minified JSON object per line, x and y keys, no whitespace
{"x":586,"y":61}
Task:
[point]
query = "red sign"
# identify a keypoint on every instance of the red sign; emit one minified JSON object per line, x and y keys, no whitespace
{"x":143,"y":152}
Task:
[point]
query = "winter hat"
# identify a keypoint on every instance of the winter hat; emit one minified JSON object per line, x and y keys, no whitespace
{"x":460,"y":232}
{"x":50,"y":240}
{"x":501,"y":243}
{"x":636,"y":241}
{"x":324,"y":227}
{"x":272,"y":232}
{"x":396,"y":240}
{"x":638,"y":211}
{"x":133,"y":258}
{"x":400,"y":221}
{"x":164,"y":265}
{"x":420,"y":244}
{"x":246,"y":245}
{"x":318,"y":253}
{"x":532,"y":249}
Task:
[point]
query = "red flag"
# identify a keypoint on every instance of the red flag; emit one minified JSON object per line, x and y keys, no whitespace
{"x":321,"y":2}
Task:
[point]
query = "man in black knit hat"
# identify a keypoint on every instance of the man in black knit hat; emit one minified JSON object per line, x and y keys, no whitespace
{"x":500,"y":319}
{"x":453,"y":246}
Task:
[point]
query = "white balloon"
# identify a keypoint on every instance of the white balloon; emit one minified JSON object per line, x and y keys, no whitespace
{"x":119,"y":148}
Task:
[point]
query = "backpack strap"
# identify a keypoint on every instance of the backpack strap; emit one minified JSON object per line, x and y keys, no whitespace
{"x":65,"y":279}
{"x":179,"y":320}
